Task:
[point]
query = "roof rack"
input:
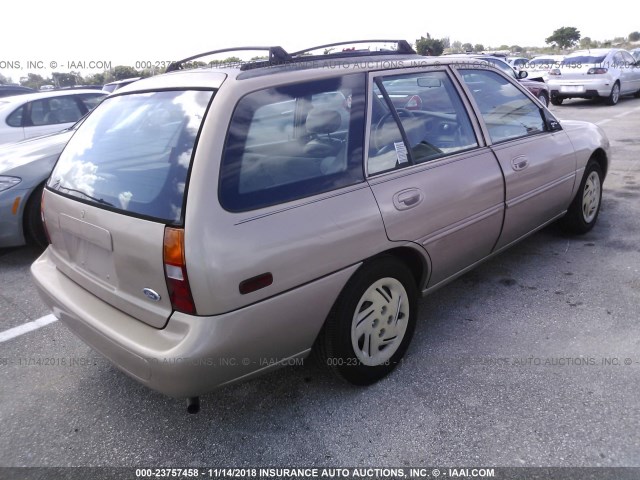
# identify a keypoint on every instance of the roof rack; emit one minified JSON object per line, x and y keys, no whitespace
{"x":403,"y":46}
{"x":278,"y":55}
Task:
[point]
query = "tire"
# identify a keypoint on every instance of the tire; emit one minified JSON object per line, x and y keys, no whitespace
{"x":542,"y":98}
{"x":556,"y":100}
{"x":583,"y":211}
{"x":378,"y":303}
{"x":33,"y":227}
{"x":637,"y":94}
{"x":614,"y":96}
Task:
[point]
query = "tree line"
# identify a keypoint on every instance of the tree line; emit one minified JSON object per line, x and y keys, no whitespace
{"x":561,"y":39}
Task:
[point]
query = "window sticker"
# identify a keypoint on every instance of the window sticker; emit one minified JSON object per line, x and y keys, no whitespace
{"x":401,"y":152}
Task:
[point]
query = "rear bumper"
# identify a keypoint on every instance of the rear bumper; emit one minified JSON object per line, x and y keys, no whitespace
{"x":591,"y":88}
{"x":194,"y":355}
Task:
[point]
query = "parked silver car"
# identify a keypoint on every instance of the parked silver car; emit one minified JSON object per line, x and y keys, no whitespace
{"x":24,"y":167}
{"x":605,"y":72}
{"x":210,"y":225}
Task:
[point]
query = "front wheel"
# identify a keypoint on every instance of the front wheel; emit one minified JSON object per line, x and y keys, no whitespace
{"x":583,"y":211}
{"x":33,"y":227}
{"x":542,"y":98}
{"x":371,"y":324}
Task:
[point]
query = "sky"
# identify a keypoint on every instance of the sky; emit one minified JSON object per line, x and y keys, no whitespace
{"x":70,"y":33}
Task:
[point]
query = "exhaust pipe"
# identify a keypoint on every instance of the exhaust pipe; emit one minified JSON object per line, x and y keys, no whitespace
{"x":193,"y":405}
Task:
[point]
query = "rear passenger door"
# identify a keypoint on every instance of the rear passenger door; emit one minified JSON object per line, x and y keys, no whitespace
{"x":538,"y":161}
{"x":435,"y":182}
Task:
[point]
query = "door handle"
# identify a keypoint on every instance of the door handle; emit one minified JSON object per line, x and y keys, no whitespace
{"x":407,"y":199}
{"x":520,"y":162}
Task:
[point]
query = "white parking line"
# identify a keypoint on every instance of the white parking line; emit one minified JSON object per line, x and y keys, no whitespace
{"x":620,"y":115}
{"x":628,"y":112}
{"x":27,"y":327}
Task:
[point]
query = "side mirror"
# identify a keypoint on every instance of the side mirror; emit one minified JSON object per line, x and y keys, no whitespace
{"x":523,"y":74}
{"x":553,"y":125}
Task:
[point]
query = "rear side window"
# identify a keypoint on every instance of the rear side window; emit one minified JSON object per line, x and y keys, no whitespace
{"x":433,"y":118}
{"x":15,"y":119}
{"x":133,"y":153}
{"x":293,"y":141}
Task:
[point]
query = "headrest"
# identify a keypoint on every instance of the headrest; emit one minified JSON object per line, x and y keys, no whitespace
{"x":321,"y":120}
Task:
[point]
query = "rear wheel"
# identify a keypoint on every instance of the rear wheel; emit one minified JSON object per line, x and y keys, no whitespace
{"x":583,"y":211}
{"x":371,"y":324}
{"x":614,"y":96}
{"x":556,"y":100}
{"x":33,"y":228}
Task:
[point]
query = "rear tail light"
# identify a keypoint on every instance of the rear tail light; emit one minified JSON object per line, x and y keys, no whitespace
{"x":44,"y":224}
{"x":175,"y":271}
{"x":554,"y":71}
{"x":597,"y":71}
{"x":414,"y":103}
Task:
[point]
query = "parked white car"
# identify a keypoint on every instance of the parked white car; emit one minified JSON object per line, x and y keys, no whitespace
{"x":35,"y":114}
{"x":540,"y":66}
{"x":602,"y":72}
{"x":518,"y":63}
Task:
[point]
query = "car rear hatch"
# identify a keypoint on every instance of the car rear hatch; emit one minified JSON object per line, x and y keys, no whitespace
{"x":117,"y":189}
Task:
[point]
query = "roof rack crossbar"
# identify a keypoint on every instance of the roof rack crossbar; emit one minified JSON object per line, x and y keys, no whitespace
{"x":276,"y":55}
{"x":403,"y":46}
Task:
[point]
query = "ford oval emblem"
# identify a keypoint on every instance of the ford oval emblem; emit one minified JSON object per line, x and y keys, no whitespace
{"x":151,"y":294}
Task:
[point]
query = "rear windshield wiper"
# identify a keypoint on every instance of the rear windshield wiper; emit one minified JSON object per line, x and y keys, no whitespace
{"x":57,"y":186}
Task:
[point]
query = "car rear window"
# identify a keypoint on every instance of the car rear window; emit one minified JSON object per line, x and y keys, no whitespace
{"x":583,"y":59}
{"x":134,"y":152}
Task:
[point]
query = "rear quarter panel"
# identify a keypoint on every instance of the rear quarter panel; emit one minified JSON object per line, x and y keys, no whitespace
{"x":297,"y":242}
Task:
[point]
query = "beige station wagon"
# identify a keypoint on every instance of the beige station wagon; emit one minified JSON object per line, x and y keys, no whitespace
{"x":211,"y":224}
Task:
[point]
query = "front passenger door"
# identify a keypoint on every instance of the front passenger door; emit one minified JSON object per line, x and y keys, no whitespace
{"x":539,"y":165}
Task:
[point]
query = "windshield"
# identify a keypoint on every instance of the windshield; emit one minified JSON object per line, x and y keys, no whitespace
{"x":133,"y":153}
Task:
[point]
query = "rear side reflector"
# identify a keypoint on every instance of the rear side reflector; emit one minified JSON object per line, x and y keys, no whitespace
{"x":255,"y":283}
{"x":175,"y":271}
